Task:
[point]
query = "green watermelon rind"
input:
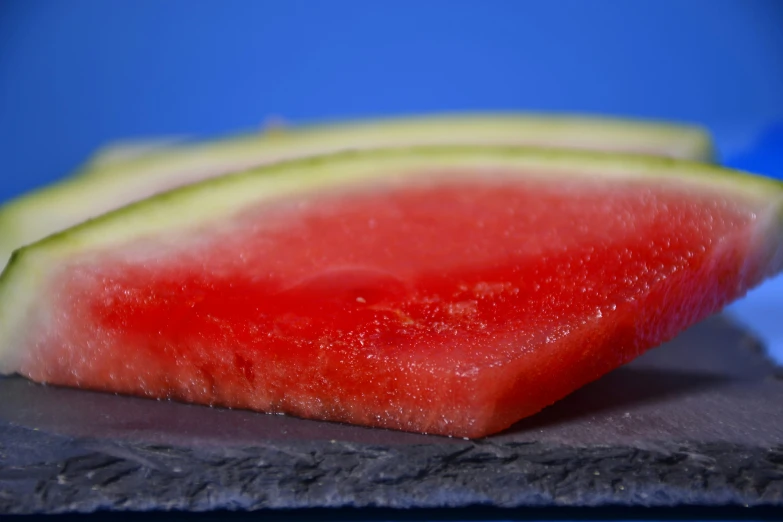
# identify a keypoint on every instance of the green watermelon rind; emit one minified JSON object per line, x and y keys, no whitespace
{"x":612,"y":134}
{"x":25,"y":277}
{"x":103,"y":187}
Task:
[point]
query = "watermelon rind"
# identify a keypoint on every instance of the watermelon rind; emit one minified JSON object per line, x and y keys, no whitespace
{"x":611,"y":134}
{"x":121,"y":151}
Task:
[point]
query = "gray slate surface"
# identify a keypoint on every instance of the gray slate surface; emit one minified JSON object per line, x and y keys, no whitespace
{"x":695,"y":422}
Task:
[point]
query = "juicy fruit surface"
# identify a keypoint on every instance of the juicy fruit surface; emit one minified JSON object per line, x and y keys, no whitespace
{"x":451,"y":308}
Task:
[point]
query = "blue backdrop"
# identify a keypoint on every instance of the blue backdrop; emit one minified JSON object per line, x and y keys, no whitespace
{"x":76,"y":73}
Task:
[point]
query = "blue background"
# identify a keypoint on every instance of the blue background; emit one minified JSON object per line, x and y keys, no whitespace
{"x":75,"y":74}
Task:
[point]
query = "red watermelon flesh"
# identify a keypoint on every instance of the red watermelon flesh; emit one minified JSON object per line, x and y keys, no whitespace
{"x":453,"y":307}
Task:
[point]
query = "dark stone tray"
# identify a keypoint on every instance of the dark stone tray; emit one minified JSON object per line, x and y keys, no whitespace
{"x":695,"y":422}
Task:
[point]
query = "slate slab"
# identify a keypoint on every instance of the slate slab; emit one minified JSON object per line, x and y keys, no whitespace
{"x":695,"y":422}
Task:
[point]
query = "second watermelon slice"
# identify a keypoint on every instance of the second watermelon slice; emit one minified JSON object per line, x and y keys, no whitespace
{"x":107,"y":185}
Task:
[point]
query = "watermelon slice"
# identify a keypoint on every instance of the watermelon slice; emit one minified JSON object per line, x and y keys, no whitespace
{"x":446,"y":290}
{"x":107,"y":185}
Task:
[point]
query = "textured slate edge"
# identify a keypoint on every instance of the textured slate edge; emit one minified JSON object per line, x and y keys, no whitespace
{"x":130,"y":476}
{"x":459,"y":514}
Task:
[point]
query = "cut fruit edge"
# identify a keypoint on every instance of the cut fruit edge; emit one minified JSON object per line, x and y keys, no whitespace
{"x":24,"y":282}
{"x":111,"y":185}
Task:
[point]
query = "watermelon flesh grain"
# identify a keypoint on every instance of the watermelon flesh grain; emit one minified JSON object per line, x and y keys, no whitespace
{"x":447,"y":307}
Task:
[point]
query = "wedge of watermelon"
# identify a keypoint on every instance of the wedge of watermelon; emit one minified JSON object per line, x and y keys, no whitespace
{"x":106,"y":185}
{"x":441,"y":290}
